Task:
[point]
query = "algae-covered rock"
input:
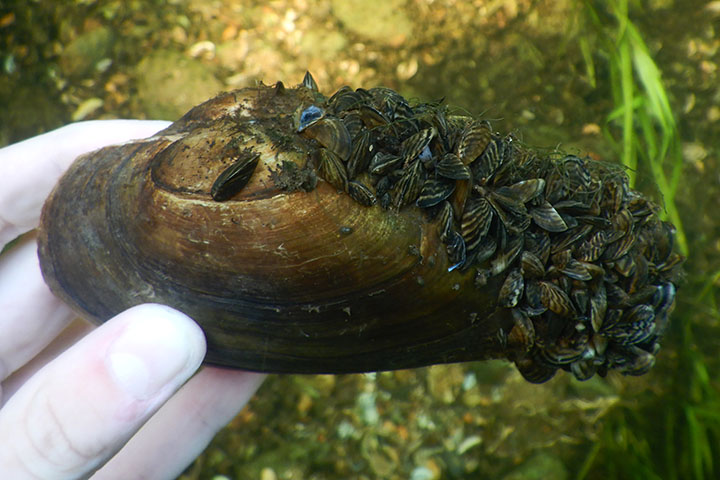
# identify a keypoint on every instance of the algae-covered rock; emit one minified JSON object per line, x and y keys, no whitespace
{"x":169,"y":84}
{"x":382,"y":21}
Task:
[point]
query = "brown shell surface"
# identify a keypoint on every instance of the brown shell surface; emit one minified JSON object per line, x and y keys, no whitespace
{"x":280,"y":280}
{"x":263,"y":214}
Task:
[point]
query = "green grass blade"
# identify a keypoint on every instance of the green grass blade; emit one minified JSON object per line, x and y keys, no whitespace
{"x":589,"y":461}
{"x":694,"y":439}
{"x":586,"y":52}
{"x":651,"y":79}
{"x":629,"y":159}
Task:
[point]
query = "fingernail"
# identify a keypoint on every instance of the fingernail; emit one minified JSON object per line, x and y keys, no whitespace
{"x":159,"y":347}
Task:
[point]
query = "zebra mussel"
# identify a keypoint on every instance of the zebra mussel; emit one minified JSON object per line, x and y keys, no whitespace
{"x":429,"y":238}
{"x":491,"y":194}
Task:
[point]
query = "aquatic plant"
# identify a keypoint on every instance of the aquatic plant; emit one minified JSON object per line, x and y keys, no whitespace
{"x":642,"y":126}
{"x":674,"y":435}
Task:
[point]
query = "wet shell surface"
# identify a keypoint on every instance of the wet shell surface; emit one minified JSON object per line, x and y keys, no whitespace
{"x":361,"y":232}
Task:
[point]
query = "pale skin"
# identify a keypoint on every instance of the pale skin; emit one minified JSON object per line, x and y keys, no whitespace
{"x":124,"y":400}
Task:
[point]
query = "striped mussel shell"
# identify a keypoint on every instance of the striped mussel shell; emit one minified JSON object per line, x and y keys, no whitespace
{"x":365,"y":232}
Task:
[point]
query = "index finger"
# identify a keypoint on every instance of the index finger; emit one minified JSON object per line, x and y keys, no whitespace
{"x":29,"y":169}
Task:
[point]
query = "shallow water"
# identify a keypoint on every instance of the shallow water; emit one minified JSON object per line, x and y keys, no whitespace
{"x":521,"y":65}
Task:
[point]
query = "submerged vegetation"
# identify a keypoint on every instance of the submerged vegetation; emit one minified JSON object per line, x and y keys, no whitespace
{"x":676,"y":435}
{"x":642,"y":125}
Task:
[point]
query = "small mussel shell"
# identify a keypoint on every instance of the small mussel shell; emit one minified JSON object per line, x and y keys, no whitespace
{"x":235,"y":177}
{"x":280,"y":280}
{"x":331,"y":133}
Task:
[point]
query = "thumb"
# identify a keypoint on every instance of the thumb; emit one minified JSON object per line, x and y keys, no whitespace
{"x":81,"y":408}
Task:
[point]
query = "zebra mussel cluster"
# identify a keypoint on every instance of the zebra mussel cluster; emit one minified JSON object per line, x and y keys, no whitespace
{"x":364,"y":232}
{"x":589,"y":269}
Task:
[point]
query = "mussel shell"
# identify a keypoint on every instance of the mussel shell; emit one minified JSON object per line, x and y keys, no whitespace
{"x":331,"y":133}
{"x":272,"y":275}
{"x":362,"y":233}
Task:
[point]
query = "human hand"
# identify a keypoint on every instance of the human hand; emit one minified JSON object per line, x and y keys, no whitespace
{"x":72,"y":395}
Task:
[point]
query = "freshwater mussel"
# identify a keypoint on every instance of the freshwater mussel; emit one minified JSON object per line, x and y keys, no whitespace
{"x":363,"y":232}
